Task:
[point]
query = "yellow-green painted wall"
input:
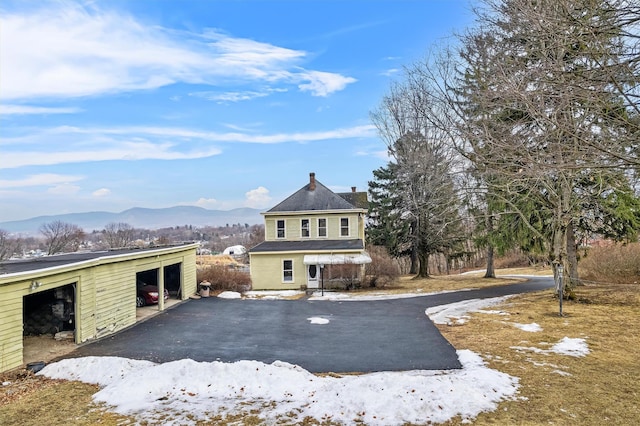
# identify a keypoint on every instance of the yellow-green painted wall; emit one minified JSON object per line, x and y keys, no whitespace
{"x":266,"y":268}
{"x":293,"y":225}
{"x":105,"y":294}
{"x":266,"y":271}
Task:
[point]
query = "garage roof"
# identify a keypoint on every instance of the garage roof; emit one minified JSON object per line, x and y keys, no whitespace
{"x":44,"y":262}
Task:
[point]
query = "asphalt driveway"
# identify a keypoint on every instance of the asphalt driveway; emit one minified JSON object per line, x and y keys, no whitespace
{"x":319,"y":336}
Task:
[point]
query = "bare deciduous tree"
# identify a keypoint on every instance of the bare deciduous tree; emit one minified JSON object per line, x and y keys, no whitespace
{"x":118,"y":235}
{"x":61,"y":236}
{"x":425,"y":167}
{"x":8,"y":245}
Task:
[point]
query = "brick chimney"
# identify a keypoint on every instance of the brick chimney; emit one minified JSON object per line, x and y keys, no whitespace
{"x":312,"y":181}
{"x":353,"y":189}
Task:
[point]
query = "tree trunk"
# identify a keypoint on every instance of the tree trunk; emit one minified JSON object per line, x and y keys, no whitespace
{"x":560,"y":238}
{"x":423,"y":272}
{"x":571,"y":277}
{"x":491,"y":273}
{"x":413,"y":267}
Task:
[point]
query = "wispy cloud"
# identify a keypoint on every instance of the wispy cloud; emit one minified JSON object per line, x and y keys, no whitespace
{"x":42,"y":179}
{"x":390,"y":72}
{"x":236,"y":96}
{"x":102,"y":192}
{"x":352,"y":28}
{"x":249,"y":127}
{"x":115,"y":150}
{"x":64,"y":189}
{"x":86,"y":144}
{"x":28,"y":109}
{"x":65,"y":50}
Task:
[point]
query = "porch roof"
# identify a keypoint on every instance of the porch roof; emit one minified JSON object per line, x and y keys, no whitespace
{"x":337,"y":259}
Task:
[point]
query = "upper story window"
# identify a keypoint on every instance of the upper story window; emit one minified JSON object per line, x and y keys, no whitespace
{"x":280,"y":228}
{"x":304,"y":228}
{"x":322,"y":227}
{"x":344,"y":226}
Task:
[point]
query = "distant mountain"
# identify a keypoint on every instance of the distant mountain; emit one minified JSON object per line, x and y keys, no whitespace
{"x":142,"y":218}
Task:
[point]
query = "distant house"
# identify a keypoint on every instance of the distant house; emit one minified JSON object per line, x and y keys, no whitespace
{"x":312,"y":236}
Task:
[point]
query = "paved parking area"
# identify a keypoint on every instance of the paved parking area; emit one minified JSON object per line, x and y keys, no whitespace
{"x":320,"y":336}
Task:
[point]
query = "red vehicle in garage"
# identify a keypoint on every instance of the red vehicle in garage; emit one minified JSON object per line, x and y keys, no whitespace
{"x":148,"y":294}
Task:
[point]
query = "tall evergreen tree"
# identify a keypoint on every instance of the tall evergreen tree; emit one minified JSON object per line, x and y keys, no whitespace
{"x":388,"y":221}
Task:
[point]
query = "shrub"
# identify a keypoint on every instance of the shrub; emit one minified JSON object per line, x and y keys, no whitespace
{"x":223,"y":277}
{"x":616,"y":263}
{"x":346,"y":275}
{"x":518,"y":259}
{"x":382,"y":270}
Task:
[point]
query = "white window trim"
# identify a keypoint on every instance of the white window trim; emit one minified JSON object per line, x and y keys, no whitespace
{"x":348,"y":228}
{"x":284,"y":221}
{"x":326,"y":228}
{"x":308,"y":228}
{"x":293,"y":278}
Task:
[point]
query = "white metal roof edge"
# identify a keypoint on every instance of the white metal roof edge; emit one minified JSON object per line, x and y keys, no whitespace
{"x":337,"y":259}
{"x":97,"y":261}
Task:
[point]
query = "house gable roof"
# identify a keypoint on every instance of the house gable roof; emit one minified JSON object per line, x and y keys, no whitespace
{"x":313,"y":196}
{"x":358,"y":199}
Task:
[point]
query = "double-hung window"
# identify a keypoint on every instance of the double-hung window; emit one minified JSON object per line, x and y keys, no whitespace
{"x":344,"y":226}
{"x":280,"y":228}
{"x":304,"y":228}
{"x":322,"y":227}
{"x":287,"y":271}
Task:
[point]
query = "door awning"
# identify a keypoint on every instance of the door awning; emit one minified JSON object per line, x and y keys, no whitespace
{"x":337,"y":259}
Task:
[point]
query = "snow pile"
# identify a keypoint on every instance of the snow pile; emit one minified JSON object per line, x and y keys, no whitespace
{"x":185,"y":391}
{"x":230,"y":295}
{"x":373,"y":296}
{"x":318,"y":320}
{"x":576,"y":347}
{"x":273,"y":294}
{"x":455,"y":313}
{"x":531,"y":328}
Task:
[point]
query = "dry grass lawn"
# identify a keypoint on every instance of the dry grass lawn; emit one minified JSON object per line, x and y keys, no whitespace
{"x":601,"y":388}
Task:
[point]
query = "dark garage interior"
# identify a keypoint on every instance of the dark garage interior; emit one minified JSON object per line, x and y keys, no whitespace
{"x":50,"y":311}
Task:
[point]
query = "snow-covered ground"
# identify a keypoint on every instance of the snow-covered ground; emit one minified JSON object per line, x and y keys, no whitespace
{"x":456,"y":313}
{"x":185,"y":391}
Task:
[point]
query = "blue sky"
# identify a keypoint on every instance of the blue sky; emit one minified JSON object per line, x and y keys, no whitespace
{"x":107,"y":105}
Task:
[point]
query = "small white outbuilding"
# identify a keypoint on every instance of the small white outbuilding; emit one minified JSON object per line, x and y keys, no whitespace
{"x":235,"y":250}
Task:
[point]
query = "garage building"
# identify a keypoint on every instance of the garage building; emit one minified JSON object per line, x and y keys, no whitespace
{"x":91,"y":294}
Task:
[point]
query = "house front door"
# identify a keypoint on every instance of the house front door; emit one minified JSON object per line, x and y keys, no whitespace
{"x":312,"y":276}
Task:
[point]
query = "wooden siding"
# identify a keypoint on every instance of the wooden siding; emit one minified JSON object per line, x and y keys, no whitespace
{"x":104,"y":299}
{"x":10,"y":327}
{"x":189,"y":279}
{"x":293,"y":226}
{"x":266,"y":268}
{"x":266,"y":271}
{"x":115,"y":292}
